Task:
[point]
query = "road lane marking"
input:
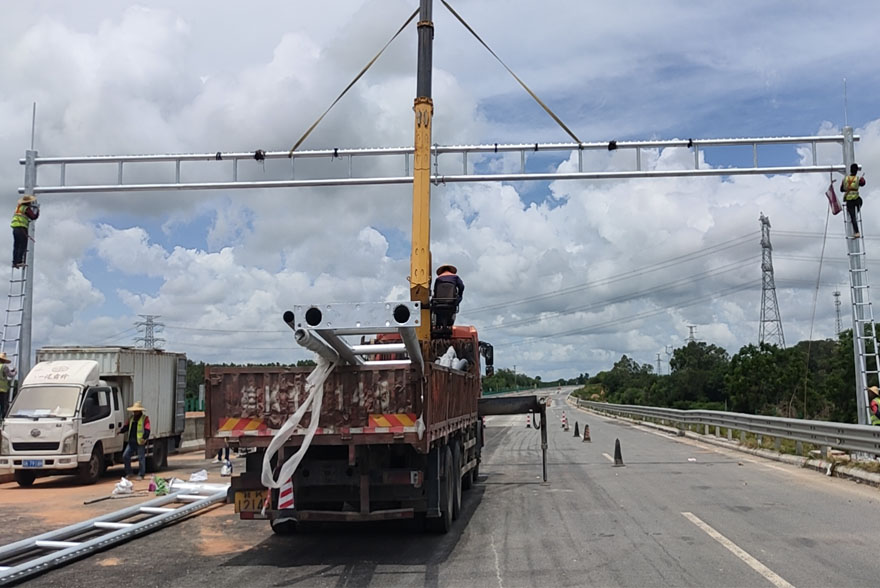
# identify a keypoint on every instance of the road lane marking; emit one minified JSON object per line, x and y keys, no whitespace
{"x":497,"y":564}
{"x":608,"y":457}
{"x":736,"y":550}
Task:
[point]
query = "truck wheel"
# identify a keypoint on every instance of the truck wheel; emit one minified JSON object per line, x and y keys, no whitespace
{"x":90,"y":471}
{"x":456,"y":479}
{"x":284,"y":526}
{"x":159,"y":459}
{"x":443,"y":523}
{"x":25,"y":478}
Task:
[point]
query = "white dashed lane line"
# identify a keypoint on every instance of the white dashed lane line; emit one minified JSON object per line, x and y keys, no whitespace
{"x":736,"y":550}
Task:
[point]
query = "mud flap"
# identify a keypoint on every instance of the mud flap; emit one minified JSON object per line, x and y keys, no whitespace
{"x":433,"y":482}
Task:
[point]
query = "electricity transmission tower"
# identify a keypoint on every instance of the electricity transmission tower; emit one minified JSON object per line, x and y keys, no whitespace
{"x":771,"y":324}
{"x":837,"y":309}
{"x":150,"y":329}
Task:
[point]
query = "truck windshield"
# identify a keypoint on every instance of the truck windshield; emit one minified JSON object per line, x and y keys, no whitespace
{"x":45,"y":401}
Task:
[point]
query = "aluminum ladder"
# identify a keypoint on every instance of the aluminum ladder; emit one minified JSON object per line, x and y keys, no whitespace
{"x":36,"y":555}
{"x":864,"y":328}
{"x":11,"y":340}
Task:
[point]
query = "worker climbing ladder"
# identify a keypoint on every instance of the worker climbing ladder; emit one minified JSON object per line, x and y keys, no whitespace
{"x":864,"y":330}
{"x":11,"y":340}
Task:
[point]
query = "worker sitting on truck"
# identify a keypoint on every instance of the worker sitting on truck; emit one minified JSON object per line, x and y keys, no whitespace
{"x":138,"y":429}
{"x":448,"y":290}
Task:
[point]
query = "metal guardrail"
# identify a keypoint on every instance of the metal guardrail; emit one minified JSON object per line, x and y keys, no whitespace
{"x":853,"y":438}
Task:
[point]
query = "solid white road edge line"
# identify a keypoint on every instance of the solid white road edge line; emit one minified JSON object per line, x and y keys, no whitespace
{"x":735,"y":549}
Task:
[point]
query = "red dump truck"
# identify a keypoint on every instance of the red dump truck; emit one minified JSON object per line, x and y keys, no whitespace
{"x":399,"y":435}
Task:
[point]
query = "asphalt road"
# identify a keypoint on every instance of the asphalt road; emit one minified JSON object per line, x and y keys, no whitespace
{"x":677,"y":514}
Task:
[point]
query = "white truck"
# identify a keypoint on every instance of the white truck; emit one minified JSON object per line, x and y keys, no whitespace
{"x":71,"y":406}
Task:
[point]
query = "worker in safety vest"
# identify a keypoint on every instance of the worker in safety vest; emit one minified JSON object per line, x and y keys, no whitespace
{"x":7,"y":373}
{"x":874,"y":396}
{"x":26,"y":210}
{"x":850,"y":188}
{"x":138,"y":429}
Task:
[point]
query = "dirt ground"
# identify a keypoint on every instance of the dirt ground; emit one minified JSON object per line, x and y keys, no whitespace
{"x":57,"y":501}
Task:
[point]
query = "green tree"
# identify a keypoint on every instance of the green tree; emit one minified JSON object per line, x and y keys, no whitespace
{"x":697,"y":376}
{"x":762,"y":379}
{"x":195,"y":376}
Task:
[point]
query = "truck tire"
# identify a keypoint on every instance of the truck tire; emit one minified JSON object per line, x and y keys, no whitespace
{"x":284,"y":526}
{"x":159,"y":459}
{"x":90,"y":471}
{"x":456,"y":479}
{"x":25,"y":478}
{"x":443,"y":523}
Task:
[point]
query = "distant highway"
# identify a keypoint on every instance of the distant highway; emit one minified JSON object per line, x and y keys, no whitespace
{"x":677,"y":514}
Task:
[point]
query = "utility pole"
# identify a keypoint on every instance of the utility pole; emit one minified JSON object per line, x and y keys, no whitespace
{"x":658,"y":363}
{"x":514,"y":376}
{"x":151,"y":328}
{"x":770,"y":330}
{"x":668,"y":359}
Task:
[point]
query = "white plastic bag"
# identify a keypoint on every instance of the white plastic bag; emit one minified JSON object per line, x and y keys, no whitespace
{"x":199,"y":476}
{"x":123,"y":486}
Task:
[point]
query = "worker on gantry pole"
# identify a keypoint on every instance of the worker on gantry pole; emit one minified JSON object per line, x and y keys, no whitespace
{"x":420,"y":260}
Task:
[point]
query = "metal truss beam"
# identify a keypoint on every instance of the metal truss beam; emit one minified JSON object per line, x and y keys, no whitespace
{"x":229,"y":165}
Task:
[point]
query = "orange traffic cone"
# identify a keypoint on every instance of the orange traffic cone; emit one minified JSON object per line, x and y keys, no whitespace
{"x":587,"y":433}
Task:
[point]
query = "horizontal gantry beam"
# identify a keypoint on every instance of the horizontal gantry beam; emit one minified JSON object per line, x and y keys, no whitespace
{"x":226,"y":166}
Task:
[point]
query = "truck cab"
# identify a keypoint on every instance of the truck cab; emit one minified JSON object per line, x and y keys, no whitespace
{"x":64,"y":420}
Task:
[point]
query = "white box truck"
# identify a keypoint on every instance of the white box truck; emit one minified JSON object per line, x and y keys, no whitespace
{"x":71,"y":406}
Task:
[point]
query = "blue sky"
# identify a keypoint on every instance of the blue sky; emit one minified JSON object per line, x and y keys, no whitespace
{"x":207,"y":76}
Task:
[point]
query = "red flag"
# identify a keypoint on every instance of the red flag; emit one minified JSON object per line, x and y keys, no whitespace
{"x":832,"y":199}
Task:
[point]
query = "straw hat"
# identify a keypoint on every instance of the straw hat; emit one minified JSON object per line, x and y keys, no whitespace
{"x":447,"y":267}
{"x":136,"y":407}
{"x":27,"y":199}
{"x":874,"y":390}
{"x":4,"y":359}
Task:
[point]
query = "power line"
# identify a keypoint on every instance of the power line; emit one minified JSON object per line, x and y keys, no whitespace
{"x":665,"y":264}
{"x":629,"y":296}
{"x":186,"y":328}
{"x":597,"y":326}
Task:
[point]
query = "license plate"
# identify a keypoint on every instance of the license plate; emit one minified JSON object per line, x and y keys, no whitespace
{"x":249,"y":500}
{"x":32,"y":463}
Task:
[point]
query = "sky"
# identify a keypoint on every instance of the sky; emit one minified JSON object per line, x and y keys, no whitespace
{"x":561,"y":277}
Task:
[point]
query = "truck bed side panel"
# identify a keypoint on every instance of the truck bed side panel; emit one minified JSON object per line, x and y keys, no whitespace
{"x":358,"y":401}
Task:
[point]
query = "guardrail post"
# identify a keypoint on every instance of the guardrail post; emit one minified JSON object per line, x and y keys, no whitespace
{"x":799,"y":448}
{"x":717,"y":431}
{"x":706,"y":429}
{"x":778,"y":444}
{"x":823,"y":451}
{"x":729,"y":434}
{"x":742,"y":436}
{"x":760,"y":440}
